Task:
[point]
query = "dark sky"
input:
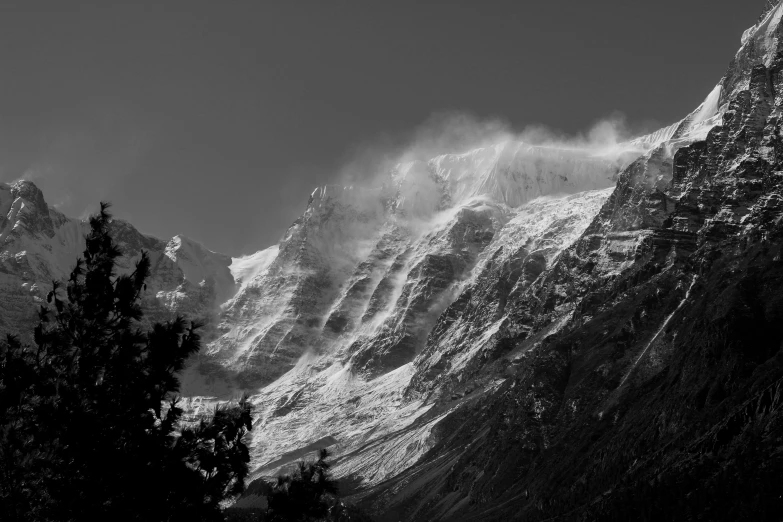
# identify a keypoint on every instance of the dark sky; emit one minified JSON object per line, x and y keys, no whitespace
{"x":216,"y":119}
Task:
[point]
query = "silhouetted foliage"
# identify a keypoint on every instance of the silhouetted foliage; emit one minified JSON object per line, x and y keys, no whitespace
{"x":306,"y":494}
{"x":310,"y":494}
{"x":89,"y":423}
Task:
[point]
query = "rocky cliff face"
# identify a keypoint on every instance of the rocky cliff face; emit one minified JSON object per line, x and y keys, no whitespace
{"x":514,"y":331}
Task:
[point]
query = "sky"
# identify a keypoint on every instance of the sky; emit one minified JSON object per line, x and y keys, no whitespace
{"x":217,"y":119}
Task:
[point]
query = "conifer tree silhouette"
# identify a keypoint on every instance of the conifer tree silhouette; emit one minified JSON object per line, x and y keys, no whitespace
{"x":89,"y":419}
{"x":307,"y":494}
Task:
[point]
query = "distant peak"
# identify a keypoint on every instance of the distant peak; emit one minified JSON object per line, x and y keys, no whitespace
{"x":768,"y":21}
{"x":181,"y":241}
{"x":29,"y":191}
{"x":182,"y":246}
{"x":26,"y":189}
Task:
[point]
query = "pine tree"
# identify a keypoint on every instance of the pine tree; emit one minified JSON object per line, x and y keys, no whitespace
{"x":307,"y":494}
{"x":310,"y":494}
{"x":89,"y":418}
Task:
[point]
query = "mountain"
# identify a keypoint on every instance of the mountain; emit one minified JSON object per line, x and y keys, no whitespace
{"x":38,"y":245}
{"x":517,"y":331}
{"x":639,"y":376}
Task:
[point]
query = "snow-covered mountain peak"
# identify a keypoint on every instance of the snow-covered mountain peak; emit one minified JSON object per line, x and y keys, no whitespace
{"x":23,"y":211}
{"x":28,"y":191}
{"x":763,"y":36}
{"x":39,"y":244}
{"x":693,"y":127}
{"x":514,"y":172}
{"x":761,"y":45}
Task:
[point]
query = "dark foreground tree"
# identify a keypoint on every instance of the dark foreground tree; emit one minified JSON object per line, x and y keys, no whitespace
{"x":306,"y":494}
{"x":89,"y":423}
{"x":309,"y":494}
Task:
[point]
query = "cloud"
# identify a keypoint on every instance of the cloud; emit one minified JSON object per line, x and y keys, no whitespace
{"x":452,"y":132}
{"x":455,"y":132}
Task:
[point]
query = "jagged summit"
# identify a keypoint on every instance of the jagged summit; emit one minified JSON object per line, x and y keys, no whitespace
{"x":39,"y":244}
{"x":24,"y":210}
{"x":759,"y":45}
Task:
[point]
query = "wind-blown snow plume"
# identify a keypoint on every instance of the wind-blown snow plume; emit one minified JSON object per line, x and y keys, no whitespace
{"x":456,"y":133}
